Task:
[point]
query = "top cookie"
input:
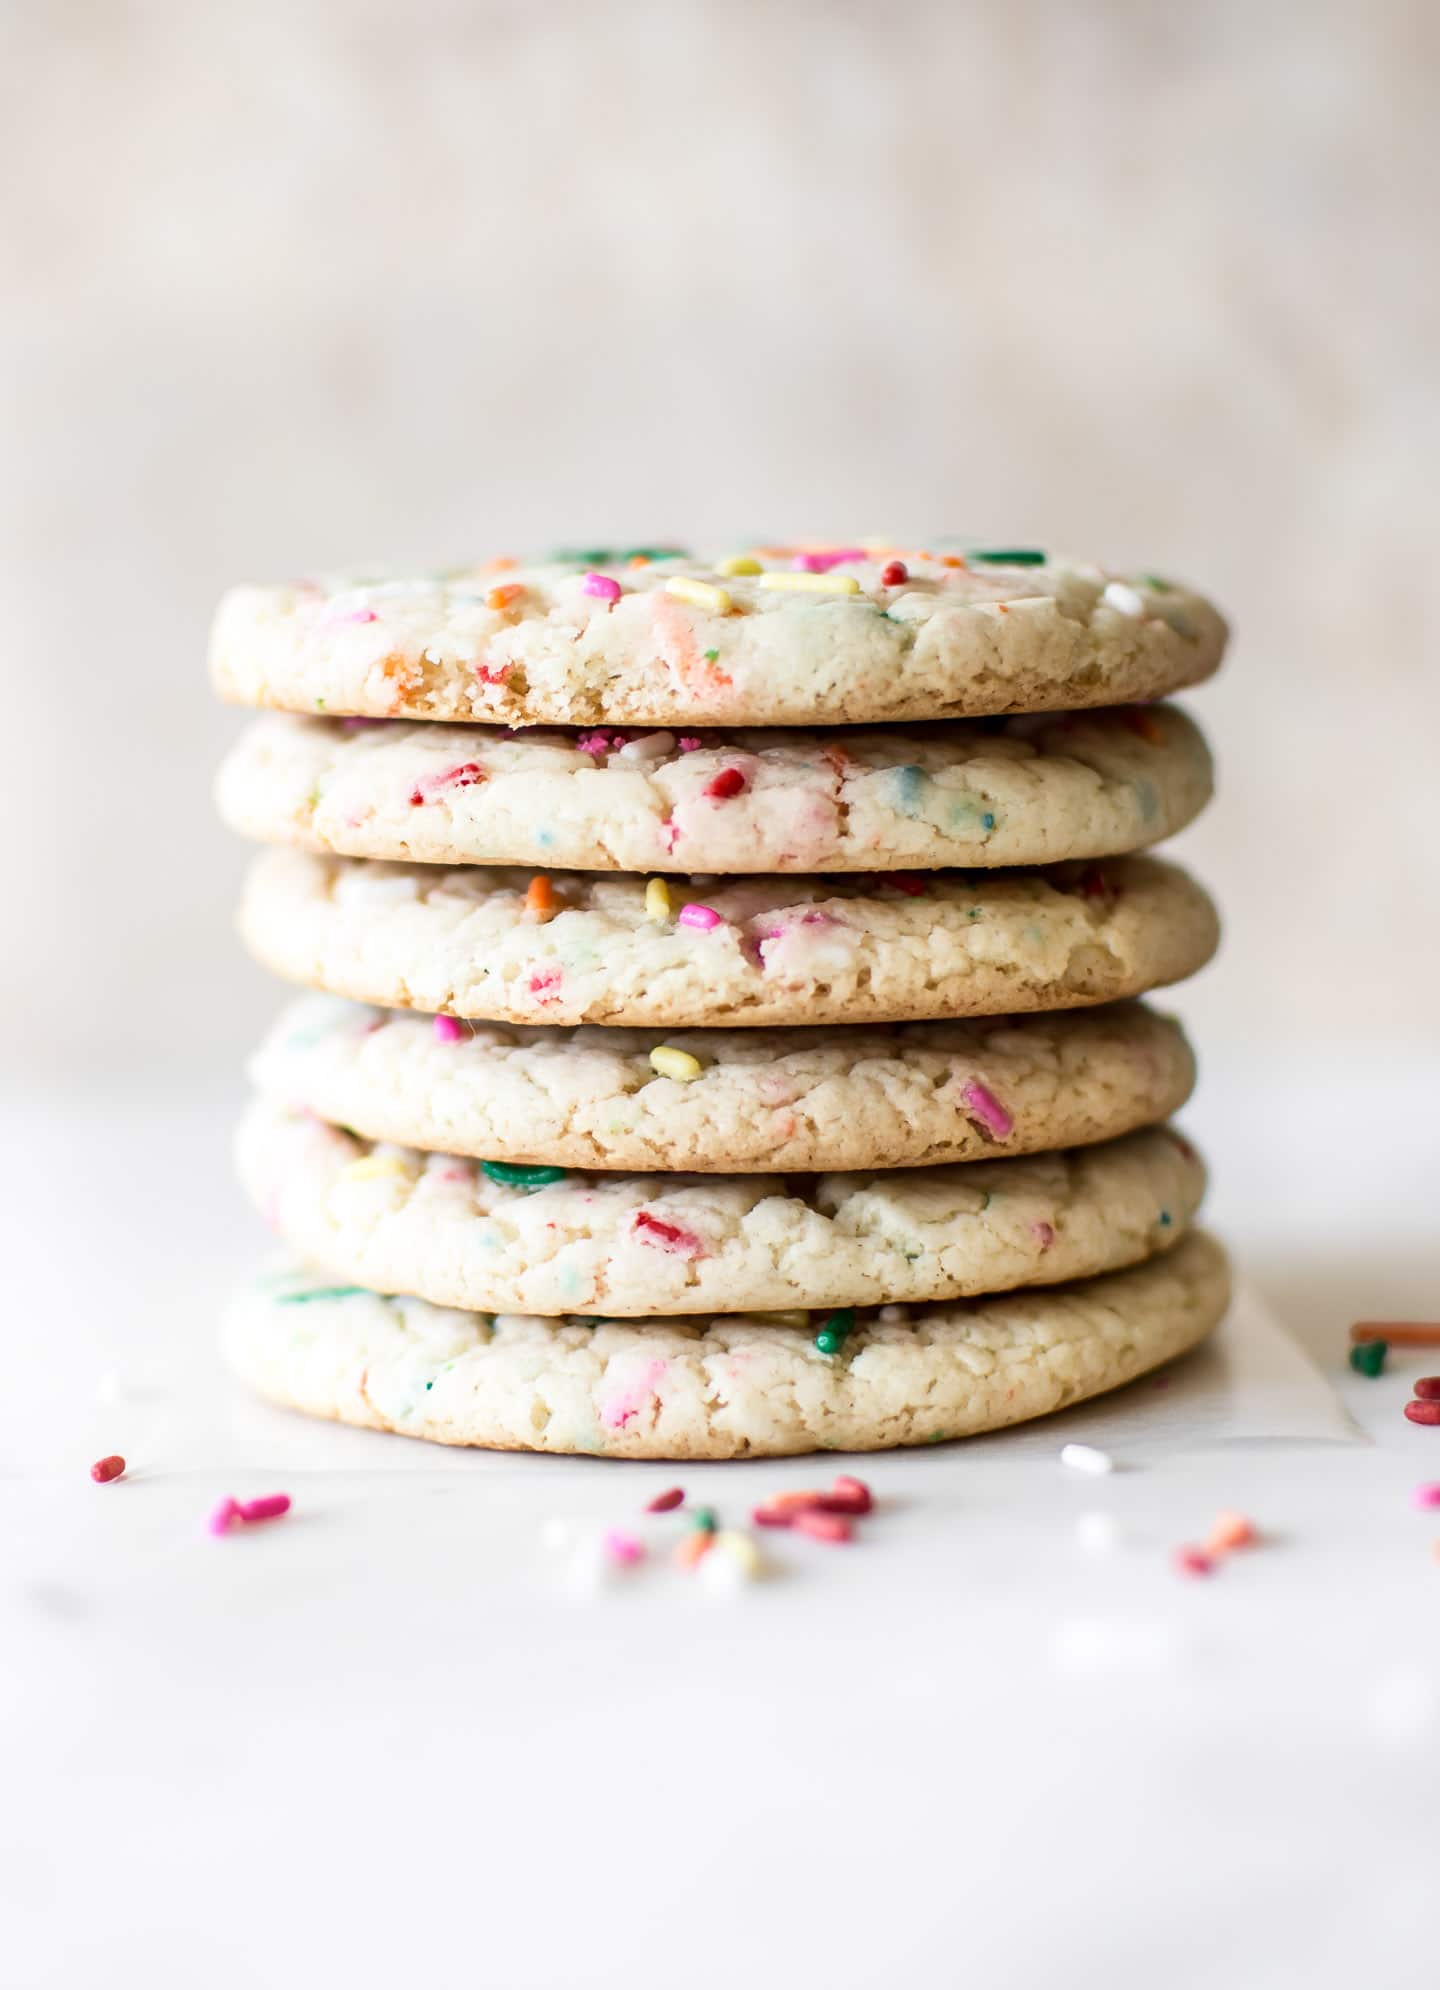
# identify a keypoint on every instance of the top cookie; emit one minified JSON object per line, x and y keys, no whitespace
{"x":773,"y":636}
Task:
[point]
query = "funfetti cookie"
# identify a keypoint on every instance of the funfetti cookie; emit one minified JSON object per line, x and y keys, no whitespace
{"x":998,"y":792}
{"x":727,"y":1101}
{"x":525,"y":1239}
{"x":516,"y":946}
{"x":767,"y":636}
{"x":722,"y":1388}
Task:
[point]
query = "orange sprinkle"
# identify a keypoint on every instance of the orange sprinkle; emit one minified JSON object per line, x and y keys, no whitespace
{"x":501,"y":597}
{"x":952,"y":560}
{"x":502,"y":563}
{"x":1230,"y":1531}
{"x":540,"y":900}
{"x":695,"y":1544}
{"x":638,"y":560}
{"x":1146,"y":724}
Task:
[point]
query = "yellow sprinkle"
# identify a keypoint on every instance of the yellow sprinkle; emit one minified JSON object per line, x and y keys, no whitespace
{"x":811,"y":583}
{"x":678,"y":1064}
{"x":657,"y":900}
{"x":740,"y":1550}
{"x":371,"y":1168}
{"x":701,"y":594}
{"x":795,"y":1317}
{"x":738,"y":565}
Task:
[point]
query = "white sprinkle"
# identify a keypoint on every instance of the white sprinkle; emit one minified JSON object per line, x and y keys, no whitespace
{"x":892,"y":1316}
{"x":1097,"y":1533}
{"x":1124,"y":600}
{"x":651,"y":746}
{"x":1085,"y":1458}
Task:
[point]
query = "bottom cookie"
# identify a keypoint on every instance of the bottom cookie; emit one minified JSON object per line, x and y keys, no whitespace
{"x":739,"y":1387}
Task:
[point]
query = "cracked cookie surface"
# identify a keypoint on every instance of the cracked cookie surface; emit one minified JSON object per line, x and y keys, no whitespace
{"x":902,"y":1095}
{"x":447,"y":1229}
{"x":597,"y":949}
{"x":725,"y":1388}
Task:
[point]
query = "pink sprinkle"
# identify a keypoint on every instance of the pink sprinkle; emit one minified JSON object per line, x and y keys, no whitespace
{"x":1044,"y":1234}
{"x":601,"y":586}
{"x":447,"y":1029}
{"x":668,"y":1236}
{"x":356,"y":615}
{"x":595,"y":743}
{"x":666,"y":1502}
{"x":984,"y":1105}
{"x":688,"y":743}
{"x":624,"y":1548}
{"x":821,"y":563}
{"x":822,"y":1526}
{"x":269,"y":1508}
{"x":1426,"y":1495}
{"x":227,"y":1512}
{"x":1192,"y":1561}
{"x":543,"y":986}
{"x":701,"y":917}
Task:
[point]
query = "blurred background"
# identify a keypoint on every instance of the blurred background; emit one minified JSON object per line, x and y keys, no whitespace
{"x":331,"y":281}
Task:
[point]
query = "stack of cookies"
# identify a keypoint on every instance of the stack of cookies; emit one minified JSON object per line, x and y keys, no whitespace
{"x":727,"y":1040}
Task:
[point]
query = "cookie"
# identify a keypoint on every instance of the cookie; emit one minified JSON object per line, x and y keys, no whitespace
{"x":726,"y":1388}
{"x":780,"y":636}
{"x":1010,"y":791}
{"x":484,"y":1234}
{"x":906,"y":1095}
{"x":506,"y":946}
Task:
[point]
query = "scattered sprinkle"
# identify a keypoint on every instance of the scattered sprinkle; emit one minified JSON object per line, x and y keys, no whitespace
{"x":223,"y":1516}
{"x":822,"y":1526}
{"x":657,"y":901}
{"x":728,"y":783}
{"x":229,"y":1512}
{"x":1399,"y":1333}
{"x":697,"y":1543}
{"x":701,"y":594}
{"x":849,"y":1496}
{"x":1423,"y":1412}
{"x":504,"y":597}
{"x":738,"y":565}
{"x":1123,"y":599}
{"x":666,"y":1502}
{"x":1230,"y":1531}
{"x":690,"y":742}
{"x":667,"y":1062}
{"x":667,"y":1236}
{"x":835,"y":1331}
{"x":704,"y":1518}
{"x":810,"y":583}
{"x":371,"y":1167}
{"x":702,"y":917}
{"x":601,"y":586}
{"x":106,"y":1469}
{"x":1085,"y":1458}
{"x":983,"y":1105}
{"x":791,"y":1316}
{"x":510,"y":1174}
{"x":540,"y":900}
{"x":627,"y":1549}
{"x":447,"y":1029}
{"x":1368,"y":1357}
{"x":1427,"y":1388}
{"x":895,"y":574}
{"x":821,"y":563}
{"x":1191,"y":1561}
{"x":1145,"y":725}
{"x":1009,"y":556}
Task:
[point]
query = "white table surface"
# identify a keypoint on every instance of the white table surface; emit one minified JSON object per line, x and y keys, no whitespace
{"x":376,"y":1742}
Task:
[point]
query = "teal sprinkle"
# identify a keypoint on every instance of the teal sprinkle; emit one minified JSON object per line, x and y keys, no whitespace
{"x":1367,"y":1357}
{"x":1009,"y":556}
{"x":509,"y":1175}
{"x":319,"y":1292}
{"x":1164,"y":1219}
{"x":703,"y":1520}
{"x":431,"y":1383}
{"x":585,"y":556}
{"x":987,"y":820}
{"x":910,"y":788}
{"x":835,"y":1331}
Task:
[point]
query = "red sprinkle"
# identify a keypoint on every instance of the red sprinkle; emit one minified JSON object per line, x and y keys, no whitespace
{"x":728,"y":783}
{"x":669,"y":1236}
{"x":666,"y":1502}
{"x":1428,"y":1388}
{"x":822,"y":1526}
{"x":1093,"y":883}
{"x":855,"y":1491}
{"x":905,"y":881}
{"x":106,"y":1469}
{"x":1423,"y":1412}
{"x":1192,"y":1561}
{"x":894,"y":574}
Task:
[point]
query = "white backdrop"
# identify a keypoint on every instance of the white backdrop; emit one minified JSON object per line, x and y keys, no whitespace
{"x":296,"y":283}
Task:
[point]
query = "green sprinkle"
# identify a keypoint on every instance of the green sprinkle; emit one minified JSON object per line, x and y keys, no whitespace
{"x":835,"y":1331}
{"x":1160,"y":586}
{"x":1009,"y":556}
{"x":318,"y":1292}
{"x":703,"y":1520}
{"x":585,"y":556}
{"x":1368,"y":1356}
{"x":319,"y":704}
{"x":510,"y":1176}
{"x":711,"y":655}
